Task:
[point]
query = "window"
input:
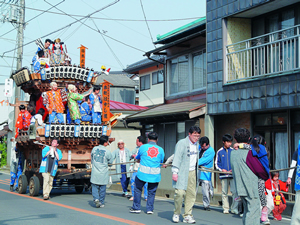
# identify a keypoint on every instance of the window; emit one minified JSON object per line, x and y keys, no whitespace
{"x":145,"y":82}
{"x":187,"y":73}
{"x":157,"y":77}
{"x":199,"y":70}
{"x":179,"y":74}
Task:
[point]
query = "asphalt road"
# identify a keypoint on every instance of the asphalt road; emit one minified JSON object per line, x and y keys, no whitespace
{"x":68,"y":207}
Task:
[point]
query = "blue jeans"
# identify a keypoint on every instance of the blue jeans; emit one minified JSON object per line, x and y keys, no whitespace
{"x":133,"y":185}
{"x":77,"y":121}
{"x":96,"y":116}
{"x":98,"y":192}
{"x":124,"y":179}
{"x":139,"y":184}
{"x":15,"y":176}
{"x":59,"y":116}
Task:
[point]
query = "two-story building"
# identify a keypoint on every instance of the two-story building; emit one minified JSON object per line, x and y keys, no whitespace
{"x":253,"y":79}
{"x":173,"y":82}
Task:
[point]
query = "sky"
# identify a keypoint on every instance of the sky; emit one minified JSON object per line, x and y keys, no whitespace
{"x":120,"y":37}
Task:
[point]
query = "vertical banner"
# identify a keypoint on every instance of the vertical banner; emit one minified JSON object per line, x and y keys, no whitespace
{"x":105,"y":101}
{"x":82,"y":55}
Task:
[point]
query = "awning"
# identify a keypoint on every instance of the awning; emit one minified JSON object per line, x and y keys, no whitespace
{"x":169,"y":112}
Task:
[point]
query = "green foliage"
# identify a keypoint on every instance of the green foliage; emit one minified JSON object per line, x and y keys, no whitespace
{"x":3,"y":148}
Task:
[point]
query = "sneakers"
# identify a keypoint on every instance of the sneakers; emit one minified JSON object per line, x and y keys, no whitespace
{"x":125,"y":194}
{"x":11,"y":188}
{"x":238,"y":199}
{"x":175,"y":218}
{"x":97,"y":203}
{"x":134,"y":210}
{"x":226,"y":211}
{"x":189,"y":219}
{"x":267,"y":222}
{"x":207,"y":208}
{"x":149,"y":212}
{"x":46,"y":197}
{"x":264,"y":214}
{"x":234,"y":212}
{"x":102,"y":205}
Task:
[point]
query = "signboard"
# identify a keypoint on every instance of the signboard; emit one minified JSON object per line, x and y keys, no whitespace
{"x":105,"y":101}
{"x":82,"y":55}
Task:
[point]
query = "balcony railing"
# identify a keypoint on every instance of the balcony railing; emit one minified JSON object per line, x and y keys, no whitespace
{"x":268,"y":54}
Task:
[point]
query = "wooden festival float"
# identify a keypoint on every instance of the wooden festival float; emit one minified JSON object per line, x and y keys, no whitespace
{"x":76,"y":141}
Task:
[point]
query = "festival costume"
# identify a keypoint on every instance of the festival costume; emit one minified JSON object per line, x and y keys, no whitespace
{"x":35,"y":60}
{"x":96,"y":110}
{"x":295,"y":220}
{"x":23,"y":122}
{"x":73,"y":106}
{"x":48,"y":168}
{"x":55,"y":105}
{"x":279,"y":199}
{"x":57,"y":57}
{"x":86,"y":113}
{"x":133,"y":176}
{"x":151,"y":156}
{"x":100,"y":158}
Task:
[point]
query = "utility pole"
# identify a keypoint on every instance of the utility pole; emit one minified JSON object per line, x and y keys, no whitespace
{"x":13,"y":115}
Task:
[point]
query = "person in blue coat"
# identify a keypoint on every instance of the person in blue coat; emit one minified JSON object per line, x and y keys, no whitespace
{"x":150,"y":157}
{"x":206,"y":160}
{"x":85,"y":110}
{"x":51,"y":155}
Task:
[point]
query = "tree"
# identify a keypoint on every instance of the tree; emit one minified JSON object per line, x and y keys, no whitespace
{"x":3,"y":148}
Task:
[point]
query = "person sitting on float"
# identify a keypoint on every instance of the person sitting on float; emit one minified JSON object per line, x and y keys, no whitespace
{"x":86,"y":110}
{"x":54,"y":104}
{"x":43,"y":52}
{"x":96,"y":101}
{"x":73,"y":97}
{"x":23,"y":120}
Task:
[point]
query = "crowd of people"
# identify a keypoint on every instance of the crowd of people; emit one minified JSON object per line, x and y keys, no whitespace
{"x":245,"y":168}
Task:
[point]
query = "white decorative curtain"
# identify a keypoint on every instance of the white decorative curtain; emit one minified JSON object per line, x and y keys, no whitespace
{"x":281,"y":151}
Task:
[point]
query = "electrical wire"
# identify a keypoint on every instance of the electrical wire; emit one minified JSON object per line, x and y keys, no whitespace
{"x":70,"y":24}
{"x":117,"y":59}
{"x":99,"y":31}
{"x":147,"y":22}
{"x":127,"y":20}
{"x":33,"y":18}
{"x":73,"y":32}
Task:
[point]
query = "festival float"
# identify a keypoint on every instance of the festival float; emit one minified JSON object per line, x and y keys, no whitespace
{"x":77,"y":139}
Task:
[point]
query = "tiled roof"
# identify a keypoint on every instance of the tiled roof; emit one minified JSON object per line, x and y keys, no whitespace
{"x":125,"y":106}
{"x":145,"y":62}
{"x":118,"y":79}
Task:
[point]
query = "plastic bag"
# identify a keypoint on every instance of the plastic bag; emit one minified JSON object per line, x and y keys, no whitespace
{"x":270,"y":201}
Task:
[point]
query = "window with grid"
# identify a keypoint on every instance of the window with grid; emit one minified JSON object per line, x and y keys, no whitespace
{"x":199,"y":70}
{"x":145,"y":82}
{"x":157,"y":77}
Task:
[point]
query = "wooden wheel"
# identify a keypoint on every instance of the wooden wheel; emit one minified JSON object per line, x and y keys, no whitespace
{"x":22,"y":184}
{"x":34,"y":186}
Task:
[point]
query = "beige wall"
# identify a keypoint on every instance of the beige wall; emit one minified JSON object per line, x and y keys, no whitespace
{"x":127,"y":135}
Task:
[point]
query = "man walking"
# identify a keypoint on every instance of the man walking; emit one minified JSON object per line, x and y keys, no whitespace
{"x":51,"y":155}
{"x":150,"y":156}
{"x":139,"y":142}
{"x":206,"y":160}
{"x":100,"y":157}
{"x":222,"y":163}
{"x":185,"y":174}
{"x":246,"y":181}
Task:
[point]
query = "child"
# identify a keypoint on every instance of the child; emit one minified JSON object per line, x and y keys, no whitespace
{"x":277,"y":185}
{"x":258,"y":162}
{"x":85,"y":110}
{"x":96,"y":101}
{"x":23,"y":120}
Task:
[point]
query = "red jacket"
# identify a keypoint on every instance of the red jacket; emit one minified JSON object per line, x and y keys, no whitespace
{"x":282,"y":186}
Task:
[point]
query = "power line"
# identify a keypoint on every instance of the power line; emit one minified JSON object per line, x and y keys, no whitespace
{"x":70,"y":24}
{"x":117,"y":59}
{"x":33,"y":18}
{"x":146,"y":22}
{"x":99,"y":31}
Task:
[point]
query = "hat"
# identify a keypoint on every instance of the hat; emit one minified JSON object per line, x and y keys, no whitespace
{"x":120,"y":141}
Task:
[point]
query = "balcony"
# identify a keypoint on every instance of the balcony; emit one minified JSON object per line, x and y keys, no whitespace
{"x":269,"y":54}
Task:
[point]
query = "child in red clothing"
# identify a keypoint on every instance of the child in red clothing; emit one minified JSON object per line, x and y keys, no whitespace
{"x":277,"y":185}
